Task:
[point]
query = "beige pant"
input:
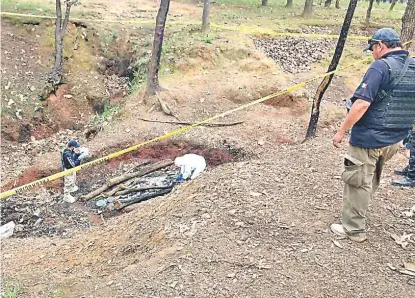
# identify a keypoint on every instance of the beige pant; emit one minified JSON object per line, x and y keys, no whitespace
{"x":69,"y":183}
{"x":362,"y":171}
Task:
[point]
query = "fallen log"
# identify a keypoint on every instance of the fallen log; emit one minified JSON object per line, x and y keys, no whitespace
{"x":122,"y":203}
{"x":213,"y":124}
{"x":137,"y":189}
{"x":121,"y":187}
{"x":125,"y":177}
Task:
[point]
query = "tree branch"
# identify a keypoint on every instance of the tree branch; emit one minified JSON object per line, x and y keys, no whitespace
{"x":191,"y":123}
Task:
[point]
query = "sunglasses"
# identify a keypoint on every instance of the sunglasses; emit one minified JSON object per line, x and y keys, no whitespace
{"x":372,"y":42}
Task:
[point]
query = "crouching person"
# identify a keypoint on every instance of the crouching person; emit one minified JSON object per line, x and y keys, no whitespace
{"x":71,"y":157}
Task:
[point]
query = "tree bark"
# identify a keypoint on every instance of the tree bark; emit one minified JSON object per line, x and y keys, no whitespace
{"x":338,"y":4}
{"x":153,"y":85}
{"x":205,"y":16}
{"x":368,"y":12}
{"x":264,"y":2}
{"x":315,"y":110}
{"x":308,"y":9}
{"x":289,"y":4}
{"x":60,"y":30}
{"x":393,"y":5}
{"x":408,"y":23}
{"x":56,"y":75}
{"x":327,"y":3}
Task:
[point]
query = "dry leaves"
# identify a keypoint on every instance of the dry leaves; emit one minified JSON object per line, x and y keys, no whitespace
{"x":403,"y":240}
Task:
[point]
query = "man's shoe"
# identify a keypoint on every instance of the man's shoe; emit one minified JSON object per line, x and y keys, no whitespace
{"x":69,"y":199}
{"x":404,"y":182}
{"x":339,"y":231}
{"x":75,"y":188}
{"x":402,"y":172}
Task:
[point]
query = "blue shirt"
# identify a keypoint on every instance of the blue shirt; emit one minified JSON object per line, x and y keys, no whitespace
{"x":376,"y":78}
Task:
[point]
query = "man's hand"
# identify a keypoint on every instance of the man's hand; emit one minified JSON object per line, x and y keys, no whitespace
{"x":356,"y":112}
{"x":337,"y":139}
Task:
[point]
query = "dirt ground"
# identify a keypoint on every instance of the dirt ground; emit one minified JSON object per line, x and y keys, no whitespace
{"x":254,"y":224}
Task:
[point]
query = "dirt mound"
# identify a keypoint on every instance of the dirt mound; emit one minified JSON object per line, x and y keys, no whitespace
{"x":230,"y":233}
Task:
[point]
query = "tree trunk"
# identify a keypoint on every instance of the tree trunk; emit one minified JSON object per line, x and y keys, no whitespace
{"x":205,"y":16}
{"x":289,"y":4}
{"x":408,"y":23}
{"x":308,"y":9}
{"x":153,"y":85}
{"x":264,"y":2}
{"x":338,"y":4}
{"x":368,"y":12}
{"x":60,"y":29}
{"x":315,"y":110}
{"x":393,"y":5}
{"x":56,"y":75}
{"x":327,"y":3}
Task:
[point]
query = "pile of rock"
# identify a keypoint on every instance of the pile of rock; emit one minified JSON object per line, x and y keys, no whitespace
{"x":295,"y":54}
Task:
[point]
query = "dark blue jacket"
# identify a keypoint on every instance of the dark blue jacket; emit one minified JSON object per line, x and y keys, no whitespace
{"x":70,"y":159}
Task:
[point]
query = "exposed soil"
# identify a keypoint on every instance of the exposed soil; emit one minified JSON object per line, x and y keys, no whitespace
{"x":254,"y":224}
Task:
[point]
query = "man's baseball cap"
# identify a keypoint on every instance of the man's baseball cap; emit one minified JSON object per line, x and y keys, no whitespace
{"x":73,"y":143}
{"x":384,"y":34}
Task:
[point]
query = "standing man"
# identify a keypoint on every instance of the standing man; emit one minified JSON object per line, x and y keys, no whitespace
{"x":382,"y":112}
{"x":71,"y":157}
{"x":409,"y":171}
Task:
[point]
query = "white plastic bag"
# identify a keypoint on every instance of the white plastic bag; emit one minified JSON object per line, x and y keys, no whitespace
{"x":191,"y":165}
{"x":84,"y":153}
{"x":7,"y":230}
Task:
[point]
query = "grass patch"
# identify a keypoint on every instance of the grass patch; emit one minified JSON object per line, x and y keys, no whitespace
{"x":28,"y":6}
{"x":11,"y":290}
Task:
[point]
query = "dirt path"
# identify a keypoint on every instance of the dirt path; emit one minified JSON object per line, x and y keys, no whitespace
{"x":248,"y":229}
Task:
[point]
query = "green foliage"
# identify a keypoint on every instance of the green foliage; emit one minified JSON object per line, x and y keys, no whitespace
{"x":34,"y":6}
{"x":209,"y":38}
{"x":11,"y":290}
{"x":140,"y":74}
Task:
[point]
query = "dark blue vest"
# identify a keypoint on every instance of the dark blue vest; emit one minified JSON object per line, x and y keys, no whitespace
{"x":394,"y":105}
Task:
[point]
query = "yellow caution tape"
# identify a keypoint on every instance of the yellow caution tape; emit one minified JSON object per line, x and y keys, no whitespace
{"x":243,"y":29}
{"x":170,"y":134}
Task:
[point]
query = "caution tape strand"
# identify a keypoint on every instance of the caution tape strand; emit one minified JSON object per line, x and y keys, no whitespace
{"x":243,"y":29}
{"x":172,"y":133}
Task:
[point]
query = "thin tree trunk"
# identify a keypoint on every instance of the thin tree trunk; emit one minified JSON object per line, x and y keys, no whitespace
{"x":315,"y":110}
{"x":289,"y":4}
{"x":60,"y":30}
{"x":56,"y":75}
{"x":368,"y":12}
{"x":327,"y":3}
{"x":264,"y":2}
{"x":408,"y":23}
{"x":338,"y":4}
{"x":205,"y":16}
{"x":393,"y":5}
{"x":308,"y":9}
{"x":153,"y":85}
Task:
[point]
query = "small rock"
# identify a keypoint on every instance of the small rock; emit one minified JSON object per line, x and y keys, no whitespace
{"x":231,"y":275}
{"x":68,"y":96}
{"x":206,"y":216}
{"x":173,"y":284}
{"x":38,"y":222}
{"x":37,"y":212}
{"x":255,"y":194}
{"x":33,"y":88}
